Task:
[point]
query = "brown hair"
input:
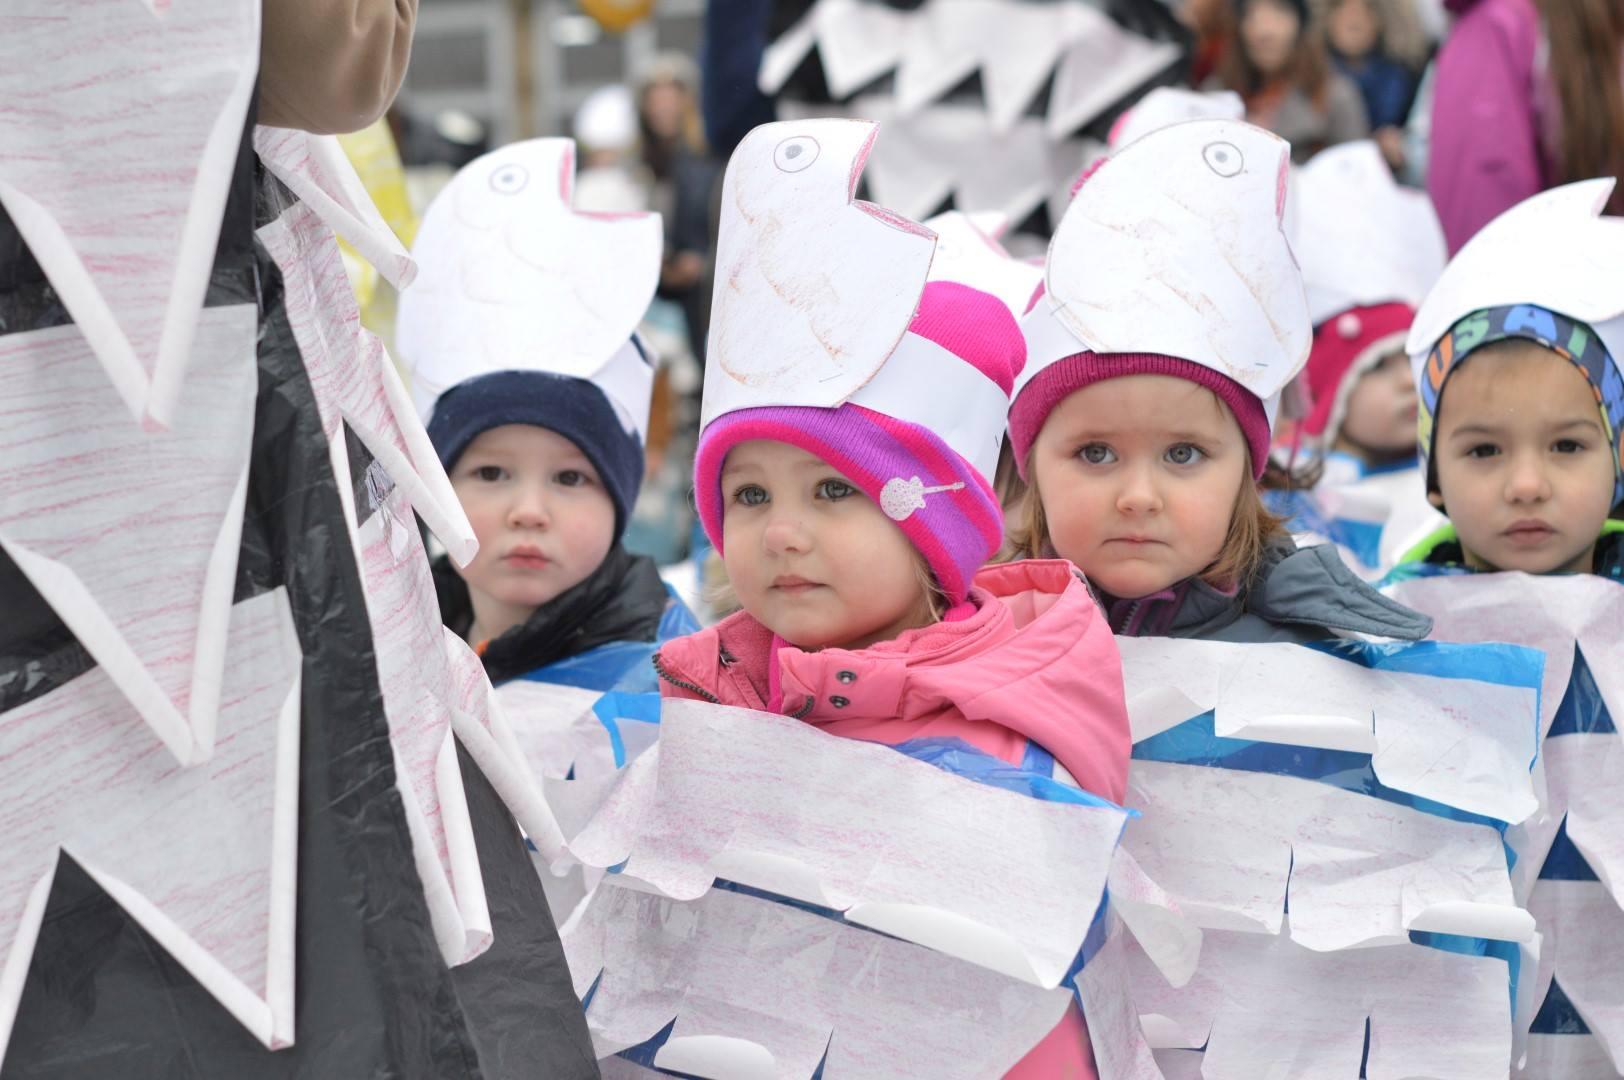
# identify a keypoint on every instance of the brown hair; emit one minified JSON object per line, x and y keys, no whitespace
{"x":1251,"y":529}
{"x":1309,"y":69}
{"x":1586,"y":39}
{"x":1402,"y":37}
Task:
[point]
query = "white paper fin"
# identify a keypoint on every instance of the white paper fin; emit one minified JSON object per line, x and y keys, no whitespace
{"x":88,"y":170}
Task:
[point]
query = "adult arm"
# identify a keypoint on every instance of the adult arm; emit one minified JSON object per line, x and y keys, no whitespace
{"x":332,"y":66}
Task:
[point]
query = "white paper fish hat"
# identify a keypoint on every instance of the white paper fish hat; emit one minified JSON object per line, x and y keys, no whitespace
{"x":511,"y":278}
{"x":1176,"y":246}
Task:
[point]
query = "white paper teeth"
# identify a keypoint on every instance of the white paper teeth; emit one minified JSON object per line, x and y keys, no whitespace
{"x":359,"y":395}
{"x":213,"y":880}
{"x":759,"y":988}
{"x":1460,"y":742}
{"x":990,"y":876}
{"x":89,"y":164}
{"x":83,"y":485}
{"x":1014,"y":45}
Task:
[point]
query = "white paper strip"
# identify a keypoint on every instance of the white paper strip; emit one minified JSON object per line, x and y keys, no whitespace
{"x":970,"y":255}
{"x":1264,"y":1006}
{"x":751,"y":981}
{"x":1563,"y":1055}
{"x":132,"y":534}
{"x":1461,"y":742}
{"x":203,"y":858}
{"x":942,"y":49}
{"x":1583,"y":930}
{"x":1583,"y":773}
{"x":998,"y":878}
{"x":1104,"y":987}
{"x":317,"y":170}
{"x":858,"y":41}
{"x":1361,"y":871}
{"x":119,"y":129}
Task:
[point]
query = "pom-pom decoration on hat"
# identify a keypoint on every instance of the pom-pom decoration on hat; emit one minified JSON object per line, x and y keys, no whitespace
{"x":813,"y":288}
{"x":1360,"y":238}
{"x":511,"y":278}
{"x":1176,"y":247}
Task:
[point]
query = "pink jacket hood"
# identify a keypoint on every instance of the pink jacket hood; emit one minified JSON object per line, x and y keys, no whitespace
{"x":1034,"y":662}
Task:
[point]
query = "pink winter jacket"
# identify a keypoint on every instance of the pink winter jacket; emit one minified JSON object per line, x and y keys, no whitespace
{"x":1033,"y":662}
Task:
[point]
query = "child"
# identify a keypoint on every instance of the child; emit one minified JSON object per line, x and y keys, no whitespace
{"x":1144,"y":417}
{"x":538,"y":409}
{"x":1524,"y":333}
{"x":850,"y":503}
{"x":1365,"y":39}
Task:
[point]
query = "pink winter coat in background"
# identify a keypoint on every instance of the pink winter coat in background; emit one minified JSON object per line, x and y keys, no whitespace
{"x":1033,"y":662}
{"x":1495,"y":119}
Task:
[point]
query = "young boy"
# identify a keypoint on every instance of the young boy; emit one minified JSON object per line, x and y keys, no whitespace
{"x":519,"y":334}
{"x":1522,"y":393}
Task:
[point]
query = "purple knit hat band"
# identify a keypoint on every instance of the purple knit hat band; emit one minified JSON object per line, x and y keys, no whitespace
{"x":945,"y":508}
{"x":1062,"y":378}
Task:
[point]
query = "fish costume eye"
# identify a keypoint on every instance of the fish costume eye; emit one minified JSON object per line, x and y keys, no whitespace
{"x":509,"y":179}
{"x":1223,"y":158}
{"x":795,"y":153}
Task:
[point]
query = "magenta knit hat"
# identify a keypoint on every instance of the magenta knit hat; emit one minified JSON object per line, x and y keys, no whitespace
{"x":940,"y":501}
{"x":1051,"y":386}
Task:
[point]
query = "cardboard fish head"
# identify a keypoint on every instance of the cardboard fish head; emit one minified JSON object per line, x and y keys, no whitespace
{"x":814,"y":289}
{"x":1555,"y":250}
{"x":1167,"y":105}
{"x":1360,"y":237}
{"x":1176,"y":246}
{"x":512,"y":278}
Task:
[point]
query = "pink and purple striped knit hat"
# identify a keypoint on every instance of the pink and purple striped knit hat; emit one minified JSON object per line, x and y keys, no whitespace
{"x":940,"y":501}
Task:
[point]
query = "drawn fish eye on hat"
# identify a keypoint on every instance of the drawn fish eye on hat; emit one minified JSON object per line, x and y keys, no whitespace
{"x":1223,"y":158}
{"x":509,"y":179}
{"x":795,"y":153}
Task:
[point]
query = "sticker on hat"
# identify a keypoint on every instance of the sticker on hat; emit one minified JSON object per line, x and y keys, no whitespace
{"x":814,"y":289}
{"x":512,"y":278}
{"x":1175,"y":245}
{"x":1360,"y":238}
{"x":1555,"y":250}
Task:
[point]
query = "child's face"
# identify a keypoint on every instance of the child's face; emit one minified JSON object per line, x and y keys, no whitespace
{"x":1381,"y":410}
{"x":810,"y":556}
{"x":543,"y":518}
{"x":1269,"y":31}
{"x":1524,"y":469}
{"x":1352,"y":27}
{"x":1139,"y":476}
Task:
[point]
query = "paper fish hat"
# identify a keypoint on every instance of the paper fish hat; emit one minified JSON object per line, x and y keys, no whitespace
{"x":1174,"y":251}
{"x":1549,"y":270}
{"x":1370,"y":250}
{"x":511,"y":278}
{"x":826,"y":335}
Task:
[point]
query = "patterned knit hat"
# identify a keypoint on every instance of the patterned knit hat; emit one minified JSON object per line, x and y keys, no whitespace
{"x":1568,"y":338}
{"x":1345,"y":347}
{"x":964,"y":345}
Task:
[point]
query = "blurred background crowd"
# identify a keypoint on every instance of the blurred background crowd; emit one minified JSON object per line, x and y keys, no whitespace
{"x":991,"y":107}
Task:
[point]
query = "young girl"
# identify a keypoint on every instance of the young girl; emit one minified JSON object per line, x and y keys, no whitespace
{"x":851,"y":507}
{"x":1172,"y":318}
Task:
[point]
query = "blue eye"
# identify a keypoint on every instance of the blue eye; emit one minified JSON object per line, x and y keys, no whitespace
{"x":1097,"y":454}
{"x":1185,"y":454}
{"x":750,"y":495}
{"x":834,"y":490}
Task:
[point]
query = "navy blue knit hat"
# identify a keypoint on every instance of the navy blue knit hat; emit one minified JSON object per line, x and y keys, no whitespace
{"x":574,"y":408}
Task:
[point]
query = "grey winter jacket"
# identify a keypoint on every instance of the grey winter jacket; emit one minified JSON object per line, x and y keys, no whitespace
{"x":1298,"y":594}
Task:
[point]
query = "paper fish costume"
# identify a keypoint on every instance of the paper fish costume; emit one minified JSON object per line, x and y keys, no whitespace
{"x":1176,"y":246}
{"x":513,"y":278}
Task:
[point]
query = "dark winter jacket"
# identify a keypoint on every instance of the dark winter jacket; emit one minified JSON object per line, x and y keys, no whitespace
{"x":1440,"y":553}
{"x":1297,"y":594}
